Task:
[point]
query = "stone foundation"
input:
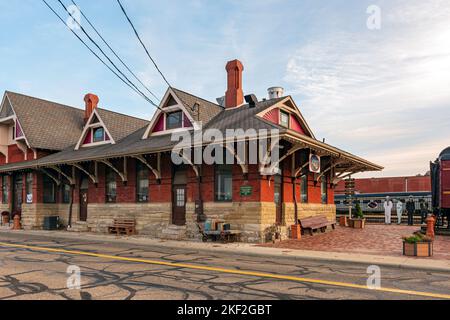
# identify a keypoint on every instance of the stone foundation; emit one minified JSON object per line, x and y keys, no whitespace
{"x":33,"y":214}
{"x":151,"y":218}
{"x":256,"y":220}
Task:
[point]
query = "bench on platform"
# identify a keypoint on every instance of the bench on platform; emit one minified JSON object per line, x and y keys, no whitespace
{"x":123,"y":226}
{"x":316,"y":223}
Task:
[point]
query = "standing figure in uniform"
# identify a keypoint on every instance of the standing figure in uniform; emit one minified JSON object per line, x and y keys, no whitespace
{"x":423,"y":210}
{"x":388,"y":210}
{"x":399,"y":211}
{"x":410,"y":208}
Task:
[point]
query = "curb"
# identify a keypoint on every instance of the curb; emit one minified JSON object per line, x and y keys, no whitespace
{"x":254,"y":251}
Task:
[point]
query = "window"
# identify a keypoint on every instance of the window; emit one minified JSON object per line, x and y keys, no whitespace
{"x":304,"y":189}
{"x":277,"y":189}
{"x":111,"y":185}
{"x":49,"y":190}
{"x":99,"y":134}
{"x":284,"y":119}
{"x":5,"y":189}
{"x":66,"y":193}
{"x":224,"y":183}
{"x":14,"y":132}
{"x":142,"y":182}
{"x":174,"y":120}
{"x":324,"y":190}
{"x":29,"y":188}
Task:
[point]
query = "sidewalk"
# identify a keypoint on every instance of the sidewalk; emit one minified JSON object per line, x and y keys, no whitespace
{"x":251,"y":250}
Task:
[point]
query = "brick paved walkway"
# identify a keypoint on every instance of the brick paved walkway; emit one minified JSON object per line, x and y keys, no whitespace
{"x":375,"y":239}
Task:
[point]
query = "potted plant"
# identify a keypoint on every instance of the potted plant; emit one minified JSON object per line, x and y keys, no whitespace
{"x":358,"y":221}
{"x":417,"y":245}
{"x":5,"y":217}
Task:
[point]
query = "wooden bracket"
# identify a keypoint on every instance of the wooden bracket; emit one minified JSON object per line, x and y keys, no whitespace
{"x":70,"y":179}
{"x":122,"y":175}
{"x":93,"y":177}
{"x":51,"y":176}
{"x":156,"y":172}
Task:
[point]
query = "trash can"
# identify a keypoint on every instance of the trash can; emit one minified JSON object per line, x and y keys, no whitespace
{"x":51,"y":223}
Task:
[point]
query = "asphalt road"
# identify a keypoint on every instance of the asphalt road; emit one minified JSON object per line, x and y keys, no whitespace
{"x":38,"y":270}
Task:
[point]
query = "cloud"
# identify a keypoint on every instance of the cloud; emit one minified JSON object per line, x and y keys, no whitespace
{"x":381,"y":90}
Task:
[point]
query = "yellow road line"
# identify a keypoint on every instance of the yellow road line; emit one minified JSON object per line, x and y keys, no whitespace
{"x":230,"y":271}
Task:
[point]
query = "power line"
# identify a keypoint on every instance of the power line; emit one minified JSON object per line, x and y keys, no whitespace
{"x":114,"y":52}
{"x":105,"y":55}
{"x":142,"y":43}
{"x":96,"y":55}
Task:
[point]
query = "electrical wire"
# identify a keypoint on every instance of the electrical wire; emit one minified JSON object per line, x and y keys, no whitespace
{"x":96,"y":55}
{"x":104,"y":54}
{"x":142,"y":43}
{"x":113,"y":51}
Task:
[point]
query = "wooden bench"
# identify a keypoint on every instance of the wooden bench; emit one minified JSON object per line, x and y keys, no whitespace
{"x":123,"y":226}
{"x":316,"y":223}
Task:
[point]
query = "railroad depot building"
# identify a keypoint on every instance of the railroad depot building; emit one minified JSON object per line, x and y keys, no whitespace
{"x":91,"y":166}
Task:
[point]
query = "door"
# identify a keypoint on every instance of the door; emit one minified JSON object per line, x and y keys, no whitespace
{"x":17,"y":194}
{"x":84,"y":199}
{"x":179,"y":205}
{"x":278,"y":198}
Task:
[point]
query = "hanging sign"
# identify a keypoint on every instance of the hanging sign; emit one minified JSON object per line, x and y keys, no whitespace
{"x":314,"y":163}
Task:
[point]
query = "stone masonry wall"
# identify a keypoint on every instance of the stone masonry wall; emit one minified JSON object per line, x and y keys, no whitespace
{"x":33,"y":214}
{"x":151,"y":218}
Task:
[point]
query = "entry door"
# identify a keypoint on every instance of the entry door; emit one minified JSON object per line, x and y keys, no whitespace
{"x":17,"y":194}
{"x":278,"y":198}
{"x":179,"y":205}
{"x":84,"y":200}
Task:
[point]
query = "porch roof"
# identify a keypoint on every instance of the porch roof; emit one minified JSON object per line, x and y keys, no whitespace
{"x":133,"y":145}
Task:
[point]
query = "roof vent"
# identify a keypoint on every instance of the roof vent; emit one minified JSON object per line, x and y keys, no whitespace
{"x":275,"y":92}
{"x":252,"y":100}
{"x":221,"y":101}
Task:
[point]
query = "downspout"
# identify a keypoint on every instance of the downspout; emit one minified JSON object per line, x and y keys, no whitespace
{"x":71,"y":205}
{"x":294,"y":184}
{"x":199,"y":204}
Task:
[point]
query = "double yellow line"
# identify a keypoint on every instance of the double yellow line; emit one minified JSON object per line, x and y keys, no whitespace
{"x":229,"y":271}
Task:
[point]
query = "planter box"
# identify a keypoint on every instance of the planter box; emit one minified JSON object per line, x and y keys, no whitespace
{"x":358,"y":223}
{"x":296,"y":232}
{"x":419,"y":249}
{"x":343,"y":221}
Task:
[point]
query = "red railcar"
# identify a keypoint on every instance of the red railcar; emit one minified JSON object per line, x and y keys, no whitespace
{"x":440,"y":185}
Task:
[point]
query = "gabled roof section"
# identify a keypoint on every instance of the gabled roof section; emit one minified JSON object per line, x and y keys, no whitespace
{"x":6,"y":109}
{"x":288,"y":104}
{"x":244,"y":118}
{"x":117,"y":126}
{"x":47,"y":125}
{"x":54,"y":126}
{"x":201,"y":110}
{"x":196,"y":110}
{"x":120,"y":125}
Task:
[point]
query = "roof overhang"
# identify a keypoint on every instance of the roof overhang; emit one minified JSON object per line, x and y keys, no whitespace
{"x":346,"y":160}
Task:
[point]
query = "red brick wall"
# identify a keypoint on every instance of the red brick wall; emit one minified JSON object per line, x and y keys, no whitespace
{"x":383,"y":185}
{"x":15,"y":154}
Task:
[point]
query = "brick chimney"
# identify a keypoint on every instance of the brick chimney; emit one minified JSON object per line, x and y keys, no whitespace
{"x":91,"y":103}
{"x":234,"y":96}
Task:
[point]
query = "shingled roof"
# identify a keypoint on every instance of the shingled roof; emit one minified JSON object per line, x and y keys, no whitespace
{"x":205,"y":111}
{"x":53,"y":126}
{"x":128,"y":131}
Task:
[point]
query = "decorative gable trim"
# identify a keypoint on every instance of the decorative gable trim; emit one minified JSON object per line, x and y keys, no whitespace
{"x":87,"y":132}
{"x":288,"y":105}
{"x":168,"y":105}
{"x":17,"y":126}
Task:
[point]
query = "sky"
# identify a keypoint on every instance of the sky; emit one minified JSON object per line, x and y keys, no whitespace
{"x":381,"y":93}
